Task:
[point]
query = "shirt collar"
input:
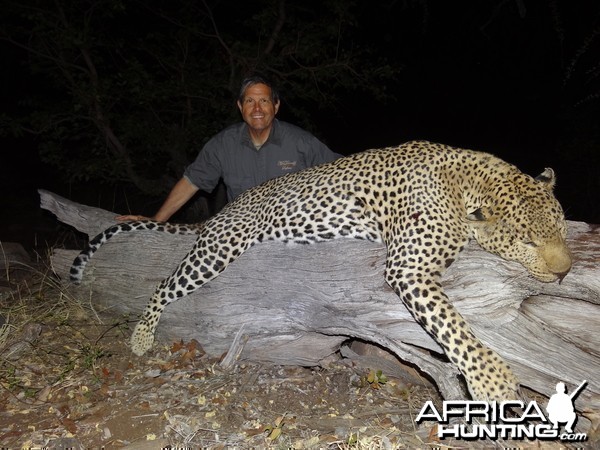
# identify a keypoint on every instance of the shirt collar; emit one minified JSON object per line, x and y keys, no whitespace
{"x":274,"y":137}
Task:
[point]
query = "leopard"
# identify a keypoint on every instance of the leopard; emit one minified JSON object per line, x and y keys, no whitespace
{"x":423,"y":200}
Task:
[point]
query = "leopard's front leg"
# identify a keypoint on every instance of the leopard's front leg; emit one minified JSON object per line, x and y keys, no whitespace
{"x":488,"y":376}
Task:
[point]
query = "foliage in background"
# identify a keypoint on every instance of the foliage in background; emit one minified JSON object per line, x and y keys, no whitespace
{"x":130,"y":91}
{"x":126,"y":93}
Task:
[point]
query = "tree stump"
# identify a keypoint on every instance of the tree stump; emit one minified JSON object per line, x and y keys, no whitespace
{"x":296,"y":305}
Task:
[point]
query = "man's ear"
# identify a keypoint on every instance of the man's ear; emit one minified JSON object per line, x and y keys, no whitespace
{"x":276,"y":106}
{"x":547,"y":177}
{"x":240,"y":105}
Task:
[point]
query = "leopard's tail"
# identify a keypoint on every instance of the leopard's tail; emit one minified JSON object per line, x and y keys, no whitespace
{"x":76,"y":272}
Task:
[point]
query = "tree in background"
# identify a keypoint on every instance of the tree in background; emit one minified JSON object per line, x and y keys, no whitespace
{"x":129,"y":91}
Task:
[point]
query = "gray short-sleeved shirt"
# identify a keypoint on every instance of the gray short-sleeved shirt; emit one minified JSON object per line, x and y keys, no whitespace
{"x":231,"y":155}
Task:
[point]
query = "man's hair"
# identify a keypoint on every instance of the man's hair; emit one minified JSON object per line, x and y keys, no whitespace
{"x":258,"y":79}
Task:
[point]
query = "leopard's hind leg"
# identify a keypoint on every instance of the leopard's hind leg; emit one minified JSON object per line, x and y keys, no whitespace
{"x":214,"y":250}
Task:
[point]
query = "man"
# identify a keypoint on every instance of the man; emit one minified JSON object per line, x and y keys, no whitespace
{"x":247,"y":154}
{"x":560,"y":408}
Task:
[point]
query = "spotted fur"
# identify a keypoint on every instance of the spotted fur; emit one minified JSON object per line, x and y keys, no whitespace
{"x":83,"y":258}
{"x":425,"y":201}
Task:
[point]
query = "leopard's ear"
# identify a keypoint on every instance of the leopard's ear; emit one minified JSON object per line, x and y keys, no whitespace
{"x":547,"y":177}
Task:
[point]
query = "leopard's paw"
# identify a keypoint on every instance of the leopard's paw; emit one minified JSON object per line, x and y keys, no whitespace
{"x":142,"y":338}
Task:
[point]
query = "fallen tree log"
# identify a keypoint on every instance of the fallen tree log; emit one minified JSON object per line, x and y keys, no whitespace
{"x":296,"y":306}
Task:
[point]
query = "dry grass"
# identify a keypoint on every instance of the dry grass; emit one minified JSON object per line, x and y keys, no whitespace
{"x":68,"y":378}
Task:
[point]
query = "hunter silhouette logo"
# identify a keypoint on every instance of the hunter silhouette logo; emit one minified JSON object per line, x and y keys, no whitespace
{"x":506,"y":420}
{"x":560,"y":407}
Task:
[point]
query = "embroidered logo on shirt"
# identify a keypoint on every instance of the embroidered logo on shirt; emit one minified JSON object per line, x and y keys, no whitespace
{"x":286,"y":165}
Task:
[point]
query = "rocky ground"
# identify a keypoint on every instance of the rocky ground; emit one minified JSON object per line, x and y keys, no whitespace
{"x":68,"y":380}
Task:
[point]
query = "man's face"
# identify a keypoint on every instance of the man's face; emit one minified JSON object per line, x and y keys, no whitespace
{"x":257,"y":109}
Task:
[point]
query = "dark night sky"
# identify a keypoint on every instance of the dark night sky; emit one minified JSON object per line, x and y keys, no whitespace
{"x":474,"y":80}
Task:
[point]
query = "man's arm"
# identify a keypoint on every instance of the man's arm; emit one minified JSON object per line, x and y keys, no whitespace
{"x":319,"y":152}
{"x":179,"y":195}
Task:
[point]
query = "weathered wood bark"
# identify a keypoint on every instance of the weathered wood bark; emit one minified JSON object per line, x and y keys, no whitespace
{"x":298,"y":305}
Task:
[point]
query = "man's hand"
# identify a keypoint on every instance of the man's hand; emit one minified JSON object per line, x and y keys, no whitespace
{"x":181,"y":193}
{"x":127,"y":218}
